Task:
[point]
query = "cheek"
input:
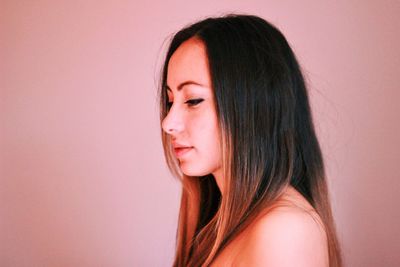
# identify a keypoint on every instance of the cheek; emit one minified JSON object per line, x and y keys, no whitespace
{"x":207,"y":135}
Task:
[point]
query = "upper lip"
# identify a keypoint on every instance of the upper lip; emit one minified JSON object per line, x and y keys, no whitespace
{"x":177,"y":145}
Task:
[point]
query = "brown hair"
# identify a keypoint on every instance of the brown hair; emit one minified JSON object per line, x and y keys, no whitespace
{"x":268,"y":141}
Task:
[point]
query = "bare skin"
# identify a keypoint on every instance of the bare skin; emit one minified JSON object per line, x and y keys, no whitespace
{"x":286,"y":236}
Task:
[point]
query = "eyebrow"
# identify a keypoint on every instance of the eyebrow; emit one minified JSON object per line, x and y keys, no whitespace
{"x":184,"y":84}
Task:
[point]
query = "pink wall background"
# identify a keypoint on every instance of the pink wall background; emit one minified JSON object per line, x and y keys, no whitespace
{"x":82,"y":176}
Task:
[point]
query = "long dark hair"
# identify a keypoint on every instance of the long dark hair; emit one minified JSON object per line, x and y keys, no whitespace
{"x":268,"y":141}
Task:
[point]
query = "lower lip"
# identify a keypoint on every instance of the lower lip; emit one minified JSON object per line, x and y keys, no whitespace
{"x":179,"y":152}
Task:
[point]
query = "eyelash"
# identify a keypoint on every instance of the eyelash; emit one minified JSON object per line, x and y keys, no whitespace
{"x":190,"y":103}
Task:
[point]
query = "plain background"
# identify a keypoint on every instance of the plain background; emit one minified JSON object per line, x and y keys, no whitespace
{"x":83,"y":178}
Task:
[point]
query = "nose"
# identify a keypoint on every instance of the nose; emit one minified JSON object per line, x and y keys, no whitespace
{"x":172,"y":124}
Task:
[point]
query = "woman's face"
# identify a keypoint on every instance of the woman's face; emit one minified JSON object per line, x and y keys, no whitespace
{"x":192,"y":120}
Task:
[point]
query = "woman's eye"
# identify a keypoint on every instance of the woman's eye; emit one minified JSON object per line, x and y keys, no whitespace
{"x":194,"y":102}
{"x":190,"y":103}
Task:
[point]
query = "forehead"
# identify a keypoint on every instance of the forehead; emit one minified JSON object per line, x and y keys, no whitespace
{"x":188,"y":63}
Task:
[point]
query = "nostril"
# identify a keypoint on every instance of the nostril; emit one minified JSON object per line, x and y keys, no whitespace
{"x":167,"y":128}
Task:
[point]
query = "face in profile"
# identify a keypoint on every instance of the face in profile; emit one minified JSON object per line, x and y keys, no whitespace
{"x":192,"y":121}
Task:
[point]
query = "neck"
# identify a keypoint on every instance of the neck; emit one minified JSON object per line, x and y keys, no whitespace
{"x":219,"y":180}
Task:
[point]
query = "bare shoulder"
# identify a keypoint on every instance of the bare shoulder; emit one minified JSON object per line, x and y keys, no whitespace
{"x":286,"y":236}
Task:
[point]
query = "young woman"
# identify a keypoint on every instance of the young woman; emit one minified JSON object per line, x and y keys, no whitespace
{"x":237,"y":131}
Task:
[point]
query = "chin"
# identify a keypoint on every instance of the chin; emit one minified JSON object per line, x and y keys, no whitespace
{"x":195,"y":173}
{"x":190,"y":171}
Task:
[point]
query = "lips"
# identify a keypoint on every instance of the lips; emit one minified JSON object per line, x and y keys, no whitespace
{"x":180,"y":151}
